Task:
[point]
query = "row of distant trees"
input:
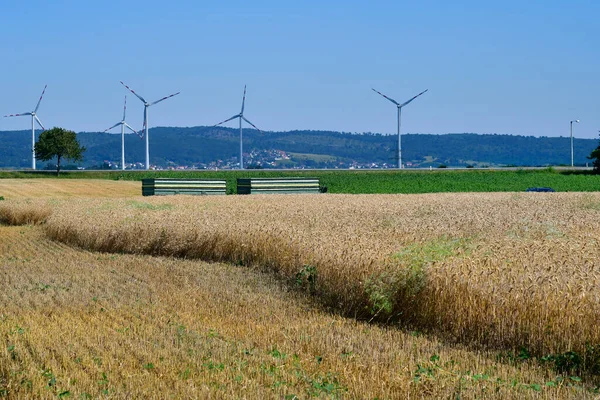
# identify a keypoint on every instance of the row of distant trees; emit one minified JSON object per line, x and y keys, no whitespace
{"x":62,"y":144}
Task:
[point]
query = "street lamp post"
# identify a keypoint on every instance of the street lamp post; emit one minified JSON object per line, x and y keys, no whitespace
{"x":572,"y":140}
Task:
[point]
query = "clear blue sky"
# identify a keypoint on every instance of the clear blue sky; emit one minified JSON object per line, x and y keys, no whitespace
{"x":511,"y":67}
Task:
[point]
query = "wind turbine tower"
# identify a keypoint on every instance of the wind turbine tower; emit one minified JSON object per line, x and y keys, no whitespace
{"x":123,"y":125}
{"x":146,"y":106}
{"x":34,"y":119}
{"x":241,"y":117}
{"x":399,"y":117}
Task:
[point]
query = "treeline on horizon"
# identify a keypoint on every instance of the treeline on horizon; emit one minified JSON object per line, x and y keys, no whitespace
{"x":202,"y":145}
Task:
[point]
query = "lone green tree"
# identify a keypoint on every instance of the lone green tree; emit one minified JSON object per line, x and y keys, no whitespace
{"x":595,"y":155}
{"x":59,"y":143}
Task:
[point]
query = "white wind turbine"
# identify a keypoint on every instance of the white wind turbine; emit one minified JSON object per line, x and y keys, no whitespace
{"x":34,"y":118}
{"x":123,"y":125}
{"x":241,"y":117}
{"x":399,"y":116}
{"x":146,"y":105}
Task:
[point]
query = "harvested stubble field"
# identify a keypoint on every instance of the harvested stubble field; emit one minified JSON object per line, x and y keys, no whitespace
{"x":108,"y":297}
{"x":54,"y":188}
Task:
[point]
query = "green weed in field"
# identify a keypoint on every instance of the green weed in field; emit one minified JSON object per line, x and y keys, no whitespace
{"x":391,"y":292}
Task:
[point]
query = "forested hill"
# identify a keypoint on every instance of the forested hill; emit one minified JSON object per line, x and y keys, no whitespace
{"x":203,"y":145}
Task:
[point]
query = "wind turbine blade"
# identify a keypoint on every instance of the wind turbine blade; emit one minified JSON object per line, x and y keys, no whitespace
{"x":405,"y":103}
{"x":227,"y":120}
{"x":132,"y":130}
{"x":164,"y":98}
{"x":114,"y":126}
{"x":244,"y":118}
{"x":392,"y":100}
{"x":243,"y":101}
{"x":17,"y":115}
{"x":40,"y":100}
{"x":39,"y":122}
{"x":136,"y":95}
{"x":125,"y":108}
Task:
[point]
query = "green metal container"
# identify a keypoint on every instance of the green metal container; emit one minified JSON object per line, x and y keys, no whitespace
{"x":277,"y":185}
{"x":167,"y":186}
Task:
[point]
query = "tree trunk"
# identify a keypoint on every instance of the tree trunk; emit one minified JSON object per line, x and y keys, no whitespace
{"x":58,"y":165}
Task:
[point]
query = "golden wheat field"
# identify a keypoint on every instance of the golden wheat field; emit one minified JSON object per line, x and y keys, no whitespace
{"x":285,"y":296}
